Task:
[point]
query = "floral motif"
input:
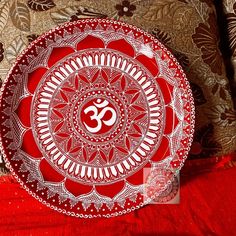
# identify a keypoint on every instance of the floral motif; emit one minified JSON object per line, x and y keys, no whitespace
{"x":182,"y":58}
{"x":197,"y":94}
{"x":166,"y":40}
{"x":223,"y":115}
{"x":20,"y":16}
{"x":125,"y":8}
{"x":204,"y":144}
{"x":222,"y":91}
{"x":40,"y":5}
{"x":206,"y":38}
{"x":161,"y":36}
{"x":86,"y":13}
{"x":208,"y":2}
{"x":231,"y":20}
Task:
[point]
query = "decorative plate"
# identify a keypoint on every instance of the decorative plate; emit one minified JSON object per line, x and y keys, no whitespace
{"x":86,"y":109}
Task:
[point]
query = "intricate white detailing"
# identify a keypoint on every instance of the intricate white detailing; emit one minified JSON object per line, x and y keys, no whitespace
{"x":65,"y":91}
{"x":64,"y":98}
{"x":99,"y":117}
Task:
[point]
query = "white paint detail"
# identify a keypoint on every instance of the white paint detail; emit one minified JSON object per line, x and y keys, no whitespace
{"x":82,"y":173}
{"x":131,"y":162}
{"x":90,"y":60}
{"x":118,"y":62}
{"x":124,"y":65}
{"x":146,"y":147}
{"x":113,"y":171}
{"x":148,"y":92}
{"x":68,"y":67}
{"x":44,"y":136}
{"x":85,"y":60}
{"x":56,"y":80}
{"x":146,"y":85}
{"x":51,"y":85}
{"x":96,"y":59}
{"x":146,"y":50}
{"x":155,"y":114}
{"x":150,"y":134}
{"x":56,"y":156}
{"x":139,"y":150}
{"x":89,"y":171}
{"x":101,"y":173}
{"x":150,"y":141}
{"x":126,"y":164}
{"x":128,"y":67}
{"x":107,"y":172}
{"x":66,"y":165}
{"x":142,"y":80}
{"x":120,"y":168}
{"x":74,"y":65}
{"x":72,"y":168}
{"x":43,"y":106}
{"x":153,"y":127}
{"x":95,"y":173}
{"x":44,"y":130}
{"x":102,"y":59}
{"x":58,"y":74}
{"x":61,"y":160}
{"x":133,"y":71}
{"x":98,"y":116}
{"x":156,"y":121}
{"x":77,"y":169}
{"x":138,"y":75}
{"x":49,"y":147}
{"x":46,"y":94}
{"x":153,"y":103}
{"x":52,"y":152}
{"x":108,"y":60}
{"x":156,"y":108}
{"x":113,"y":61}
{"x":42,"y":118}
{"x":136,"y":157}
{"x":79,"y":62}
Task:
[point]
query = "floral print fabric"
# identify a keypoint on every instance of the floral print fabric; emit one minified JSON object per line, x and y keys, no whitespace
{"x":188,"y":28}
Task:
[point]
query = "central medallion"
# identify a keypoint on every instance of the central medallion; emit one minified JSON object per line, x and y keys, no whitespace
{"x":97,"y":124}
{"x":98,"y":116}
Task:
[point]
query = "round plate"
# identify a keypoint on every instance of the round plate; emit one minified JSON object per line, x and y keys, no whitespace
{"x":88,"y":111}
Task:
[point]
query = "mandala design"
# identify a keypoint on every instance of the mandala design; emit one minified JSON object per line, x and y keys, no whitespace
{"x":86,"y":108}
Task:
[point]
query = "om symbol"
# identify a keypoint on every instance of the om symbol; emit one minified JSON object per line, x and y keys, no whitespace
{"x":98,"y":116}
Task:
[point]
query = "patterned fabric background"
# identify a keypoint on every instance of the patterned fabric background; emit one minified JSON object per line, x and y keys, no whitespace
{"x":187,"y":27}
{"x":229,"y":8}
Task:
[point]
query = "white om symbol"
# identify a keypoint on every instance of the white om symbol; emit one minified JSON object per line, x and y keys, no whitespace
{"x":98,"y":117}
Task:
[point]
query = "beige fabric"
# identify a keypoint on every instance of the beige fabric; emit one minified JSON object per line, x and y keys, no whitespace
{"x":187,"y":27}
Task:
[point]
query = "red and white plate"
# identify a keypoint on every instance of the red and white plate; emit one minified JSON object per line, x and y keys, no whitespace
{"x":86,"y":109}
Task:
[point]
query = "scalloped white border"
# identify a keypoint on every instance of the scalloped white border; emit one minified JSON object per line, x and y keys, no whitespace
{"x":132,"y":27}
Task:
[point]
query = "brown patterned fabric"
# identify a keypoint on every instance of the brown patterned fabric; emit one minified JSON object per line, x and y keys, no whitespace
{"x":187,"y":27}
{"x":228,"y":10}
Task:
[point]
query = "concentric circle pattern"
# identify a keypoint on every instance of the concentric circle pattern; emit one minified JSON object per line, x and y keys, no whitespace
{"x":89,"y":106}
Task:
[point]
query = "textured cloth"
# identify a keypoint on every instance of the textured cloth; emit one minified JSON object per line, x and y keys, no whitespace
{"x":207,"y":207}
